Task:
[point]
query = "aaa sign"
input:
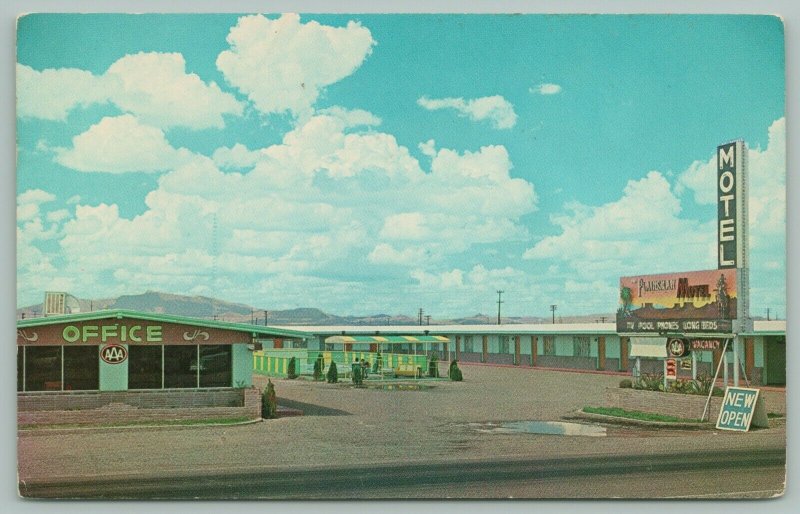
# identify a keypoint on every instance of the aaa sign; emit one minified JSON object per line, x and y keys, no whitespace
{"x":113,"y":353}
{"x":742,"y":408}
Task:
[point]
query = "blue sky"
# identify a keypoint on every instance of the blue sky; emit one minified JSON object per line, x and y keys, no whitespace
{"x":370,"y":163}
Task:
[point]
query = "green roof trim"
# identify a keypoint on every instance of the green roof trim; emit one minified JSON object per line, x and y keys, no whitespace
{"x":257,"y":330}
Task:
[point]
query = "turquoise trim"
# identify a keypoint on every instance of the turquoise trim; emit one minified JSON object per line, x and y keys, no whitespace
{"x":242,"y":362}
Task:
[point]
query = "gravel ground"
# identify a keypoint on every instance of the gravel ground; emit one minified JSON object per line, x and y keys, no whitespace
{"x":344,"y":425}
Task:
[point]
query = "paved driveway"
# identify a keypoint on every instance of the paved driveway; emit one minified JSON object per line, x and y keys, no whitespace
{"x":345,"y":425}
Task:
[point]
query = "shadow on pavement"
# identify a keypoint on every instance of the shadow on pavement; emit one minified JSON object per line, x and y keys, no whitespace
{"x":310,"y":409}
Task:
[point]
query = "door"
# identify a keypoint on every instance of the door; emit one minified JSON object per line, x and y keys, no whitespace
{"x":775,"y":360}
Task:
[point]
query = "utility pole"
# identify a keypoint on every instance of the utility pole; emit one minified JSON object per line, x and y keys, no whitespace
{"x":266,"y":317}
{"x":768,"y":314}
{"x":499,"y":301}
{"x":553,"y":308}
{"x":420,"y":316}
{"x":427,"y":319}
{"x":252,"y":316}
{"x":602,"y":319}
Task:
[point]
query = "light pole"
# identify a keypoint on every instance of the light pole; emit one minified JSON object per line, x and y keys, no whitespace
{"x":553,"y":308}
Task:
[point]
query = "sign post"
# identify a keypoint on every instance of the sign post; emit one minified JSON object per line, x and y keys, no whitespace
{"x":742,"y":408}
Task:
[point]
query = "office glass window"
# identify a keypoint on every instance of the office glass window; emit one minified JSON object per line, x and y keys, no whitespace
{"x":81,"y":368}
{"x":548,"y":345}
{"x":216,"y":369}
{"x":180,"y":366}
{"x":43,"y":368}
{"x":144,"y":367}
{"x":580,"y":346}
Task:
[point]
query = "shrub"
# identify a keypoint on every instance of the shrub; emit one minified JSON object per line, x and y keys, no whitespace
{"x":378,"y":364}
{"x":269,"y":402}
{"x":625,"y":383}
{"x":318,"y":365}
{"x":650,"y":382}
{"x":357,"y":373}
{"x":333,"y":374}
{"x":433,"y":366}
{"x":291,"y":369}
{"x":454,"y":372}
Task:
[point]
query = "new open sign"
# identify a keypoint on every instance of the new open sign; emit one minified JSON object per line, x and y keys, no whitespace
{"x":740,"y":409}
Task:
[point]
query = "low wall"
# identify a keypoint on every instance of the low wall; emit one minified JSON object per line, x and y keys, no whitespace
{"x":136,"y":406}
{"x":687,"y":406}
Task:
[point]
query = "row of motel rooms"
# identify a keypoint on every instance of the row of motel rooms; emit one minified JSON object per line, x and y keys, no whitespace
{"x":81,"y":352}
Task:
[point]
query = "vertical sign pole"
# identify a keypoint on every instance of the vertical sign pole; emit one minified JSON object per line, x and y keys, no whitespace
{"x":713,"y":382}
{"x":736,"y":344}
{"x":694,"y":365}
{"x":725,"y":367}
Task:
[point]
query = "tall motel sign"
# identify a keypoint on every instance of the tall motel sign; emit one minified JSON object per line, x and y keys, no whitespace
{"x":707,"y":306}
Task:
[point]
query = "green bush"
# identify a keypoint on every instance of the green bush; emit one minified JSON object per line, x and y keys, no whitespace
{"x":333,"y":374}
{"x":625,"y":383}
{"x":454,"y":372}
{"x":319,"y":364}
{"x":291,"y":369}
{"x":433,"y":366}
{"x":650,"y":382}
{"x":269,"y":402}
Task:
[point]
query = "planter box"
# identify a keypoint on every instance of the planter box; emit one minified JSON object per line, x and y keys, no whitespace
{"x":686,"y":406}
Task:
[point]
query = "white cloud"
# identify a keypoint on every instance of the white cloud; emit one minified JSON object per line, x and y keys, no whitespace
{"x":28,"y":203}
{"x":156,"y":88}
{"x":546,"y":89}
{"x":235,"y":157}
{"x":496,"y":109}
{"x":629,"y":234}
{"x":387,"y":254}
{"x":153,"y":86}
{"x":329,"y":199}
{"x":351,"y":117}
{"x":51,"y":94}
{"x":283,"y":64}
{"x":121,"y":144}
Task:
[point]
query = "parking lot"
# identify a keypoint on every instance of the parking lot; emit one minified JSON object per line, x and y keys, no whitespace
{"x":348,"y":426}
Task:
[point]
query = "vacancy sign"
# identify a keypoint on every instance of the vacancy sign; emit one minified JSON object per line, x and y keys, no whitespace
{"x":741,"y":408}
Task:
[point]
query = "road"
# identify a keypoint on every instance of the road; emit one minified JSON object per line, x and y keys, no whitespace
{"x":707,"y":474}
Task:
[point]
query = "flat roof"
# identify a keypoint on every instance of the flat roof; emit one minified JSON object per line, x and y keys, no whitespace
{"x":256,"y":330}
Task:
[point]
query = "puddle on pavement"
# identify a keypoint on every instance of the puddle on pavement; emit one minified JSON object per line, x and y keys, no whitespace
{"x":540,"y":427}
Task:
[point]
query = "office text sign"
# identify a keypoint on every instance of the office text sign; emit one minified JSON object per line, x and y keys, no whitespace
{"x":740,"y":409}
{"x":731,"y":238}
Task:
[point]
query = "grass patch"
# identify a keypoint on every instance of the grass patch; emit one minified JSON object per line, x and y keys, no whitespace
{"x":635,"y":414}
{"x":164,"y":422}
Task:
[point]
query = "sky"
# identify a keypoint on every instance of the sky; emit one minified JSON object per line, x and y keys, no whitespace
{"x":368,"y":164}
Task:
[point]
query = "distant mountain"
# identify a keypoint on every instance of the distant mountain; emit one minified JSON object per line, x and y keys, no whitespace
{"x":212,"y":308}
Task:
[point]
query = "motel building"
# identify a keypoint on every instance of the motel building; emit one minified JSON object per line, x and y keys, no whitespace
{"x":570,"y":346}
{"x":137,"y":366}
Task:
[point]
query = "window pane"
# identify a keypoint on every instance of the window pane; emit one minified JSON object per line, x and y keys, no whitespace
{"x":215,"y":366}
{"x":180,"y":366}
{"x":20,"y":363}
{"x":81,"y":368}
{"x":144,"y":367}
{"x":43,"y":368}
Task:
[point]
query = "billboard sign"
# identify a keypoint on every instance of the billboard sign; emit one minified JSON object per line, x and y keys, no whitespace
{"x":688,"y":302}
{"x":731,"y":205}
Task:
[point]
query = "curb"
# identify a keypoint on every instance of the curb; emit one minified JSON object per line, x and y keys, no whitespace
{"x":78,"y":430}
{"x":616,"y":420}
